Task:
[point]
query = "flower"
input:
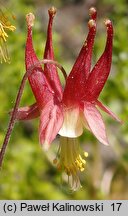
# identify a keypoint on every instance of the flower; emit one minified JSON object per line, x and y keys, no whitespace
{"x":4,"y":25}
{"x":67,"y":111}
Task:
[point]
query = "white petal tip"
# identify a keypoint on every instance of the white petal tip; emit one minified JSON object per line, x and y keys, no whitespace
{"x":70,"y":133}
{"x":52,"y":11}
{"x":107,"y":22}
{"x":92,"y":11}
{"x":30,"y":19}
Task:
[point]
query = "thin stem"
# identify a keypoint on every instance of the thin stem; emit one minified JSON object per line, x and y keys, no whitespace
{"x":17,"y":102}
{"x":13,"y":117}
{"x":48,"y":61}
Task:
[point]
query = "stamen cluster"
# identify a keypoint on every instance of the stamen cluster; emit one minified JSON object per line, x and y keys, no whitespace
{"x":4,"y":26}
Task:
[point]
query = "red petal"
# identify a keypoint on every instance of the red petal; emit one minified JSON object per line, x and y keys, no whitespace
{"x":39,"y":84}
{"x":28,"y":112}
{"x":107,"y":110}
{"x":50,"y":70}
{"x":95,"y":122}
{"x":51,"y":121}
{"x":100,"y":72}
{"x":81,"y":69}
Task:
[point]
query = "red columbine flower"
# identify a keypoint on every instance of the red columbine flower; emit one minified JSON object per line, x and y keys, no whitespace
{"x":68,"y":112}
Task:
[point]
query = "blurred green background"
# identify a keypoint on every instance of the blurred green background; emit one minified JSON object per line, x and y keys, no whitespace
{"x":27,"y":172}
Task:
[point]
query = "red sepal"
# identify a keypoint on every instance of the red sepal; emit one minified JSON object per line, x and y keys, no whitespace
{"x":39,"y":84}
{"x":107,"y":110}
{"x":50,"y":70}
{"x":95,"y":122}
{"x":28,"y":112}
{"x":76,"y":80}
{"x":101,"y":70}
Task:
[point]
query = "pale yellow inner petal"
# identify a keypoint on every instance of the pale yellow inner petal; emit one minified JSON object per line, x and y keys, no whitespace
{"x":72,"y":125}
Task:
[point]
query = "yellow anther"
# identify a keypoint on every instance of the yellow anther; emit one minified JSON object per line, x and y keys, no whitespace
{"x":3,"y":34}
{"x":11,"y":27}
{"x":4,"y":26}
{"x":80,"y":158}
{"x":80,"y":165}
{"x":82,"y":169}
{"x":86,"y":154}
{"x":84,"y":161}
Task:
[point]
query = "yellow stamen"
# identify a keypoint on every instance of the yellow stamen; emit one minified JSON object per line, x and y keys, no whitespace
{"x":4,"y":25}
{"x":70,"y":161}
{"x":3,"y":34}
{"x":86,"y":154}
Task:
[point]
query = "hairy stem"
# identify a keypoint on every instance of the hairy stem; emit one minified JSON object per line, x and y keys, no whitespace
{"x":17,"y":102}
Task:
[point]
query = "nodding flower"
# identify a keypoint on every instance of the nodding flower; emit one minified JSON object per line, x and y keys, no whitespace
{"x":5,"y":25}
{"x":66,"y":112}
